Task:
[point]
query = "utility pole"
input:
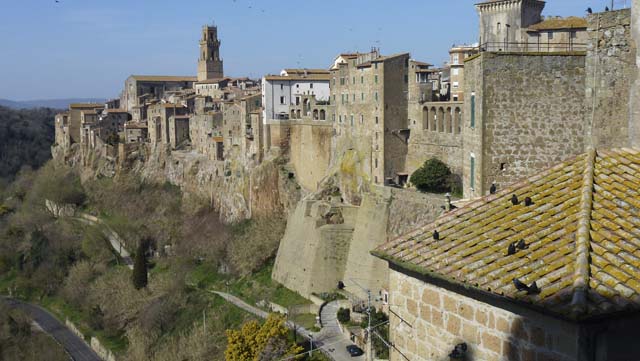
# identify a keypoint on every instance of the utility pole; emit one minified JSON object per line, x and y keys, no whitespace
{"x":369,"y":338}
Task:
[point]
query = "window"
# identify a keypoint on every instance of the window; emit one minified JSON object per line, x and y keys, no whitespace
{"x":354,"y":97}
{"x":341,"y":81}
{"x":375,"y":79}
{"x":455,"y":58}
{"x":375,"y":65}
{"x":297,"y":85}
{"x":340,"y":118}
{"x":354,"y":80}
{"x":281,"y":100}
{"x":550,"y":35}
{"x":375,"y":96}
{"x":352,"y":120}
{"x":334,"y":81}
{"x":455,"y":98}
{"x":362,"y":79}
{"x":333,"y":118}
{"x":455,"y":71}
{"x":455,"y":84}
{"x":376,"y":163}
{"x":574,"y":35}
{"x":362,"y":96}
{"x":361,"y":119}
{"x":334,"y":98}
{"x":376,"y":120}
{"x":281,"y":86}
{"x":473,"y":109}
{"x":472,"y":171}
{"x":311,"y":86}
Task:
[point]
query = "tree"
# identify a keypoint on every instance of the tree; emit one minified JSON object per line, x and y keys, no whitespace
{"x":260,"y":342}
{"x":434,"y":176}
{"x":139,"y":275}
{"x":344,"y":315}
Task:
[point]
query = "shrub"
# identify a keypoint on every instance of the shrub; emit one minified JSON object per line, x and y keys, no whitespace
{"x":344,"y":315}
{"x":434,"y":176}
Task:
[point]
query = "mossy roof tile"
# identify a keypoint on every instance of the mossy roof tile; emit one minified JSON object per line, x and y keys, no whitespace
{"x":582,"y":235}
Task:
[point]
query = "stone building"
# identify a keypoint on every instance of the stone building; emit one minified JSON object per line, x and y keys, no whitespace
{"x":135,"y":133}
{"x":518,"y":25}
{"x":75,"y":118}
{"x":551,"y":275}
{"x":140,"y":90}
{"x":280,"y":92}
{"x":457,"y":55}
{"x":210,"y":65}
{"x":434,"y":126}
{"x":369,"y":93}
{"x":159,"y":115}
{"x":62,"y":135}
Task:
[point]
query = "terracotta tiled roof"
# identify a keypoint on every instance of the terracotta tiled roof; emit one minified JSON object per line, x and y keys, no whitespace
{"x":582,"y":235}
{"x":571,"y":22}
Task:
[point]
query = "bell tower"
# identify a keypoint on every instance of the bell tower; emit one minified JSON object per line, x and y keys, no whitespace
{"x":209,"y":63}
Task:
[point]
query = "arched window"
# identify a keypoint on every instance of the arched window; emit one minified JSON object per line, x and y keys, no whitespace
{"x":323,"y":115}
{"x":315,"y":114}
{"x":425,"y":118}
{"x":293,"y":114}
{"x":448,"y":121}
{"x":458,"y":120}
{"x":298,"y":113}
{"x":441,"y":120}
{"x":433,"y":119}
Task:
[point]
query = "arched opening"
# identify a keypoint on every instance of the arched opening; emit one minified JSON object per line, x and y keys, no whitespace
{"x":433,"y":119}
{"x":449,"y":121}
{"x":298,"y":113}
{"x":323,"y":114}
{"x":458,"y":121}
{"x":315,"y":114}
{"x":441,"y":120}
{"x":293,"y":114}
{"x":425,"y":118}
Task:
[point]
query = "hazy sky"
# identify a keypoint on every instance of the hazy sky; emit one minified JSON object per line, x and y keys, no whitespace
{"x":86,"y":48}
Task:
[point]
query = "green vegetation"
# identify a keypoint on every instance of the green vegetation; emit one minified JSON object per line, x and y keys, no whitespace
{"x":70,"y":268}
{"x":255,"y":341}
{"x":344,"y":315}
{"x":379,"y":322}
{"x":434,"y":176}
{"x":26,"y":137}
{"x":19,"y":342}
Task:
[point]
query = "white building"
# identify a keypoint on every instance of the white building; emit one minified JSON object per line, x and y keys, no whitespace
{"x":280,"y":92}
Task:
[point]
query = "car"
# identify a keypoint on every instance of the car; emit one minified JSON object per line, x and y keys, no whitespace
{"x":354,"y":351}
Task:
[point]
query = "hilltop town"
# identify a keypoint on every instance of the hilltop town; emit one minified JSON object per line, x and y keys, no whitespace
{"x":536,"y":118}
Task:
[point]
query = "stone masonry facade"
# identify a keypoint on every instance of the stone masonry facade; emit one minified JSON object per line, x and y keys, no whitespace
{"x":432,"y":320}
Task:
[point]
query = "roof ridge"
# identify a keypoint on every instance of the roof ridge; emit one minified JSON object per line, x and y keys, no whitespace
{"x":583,"y":237}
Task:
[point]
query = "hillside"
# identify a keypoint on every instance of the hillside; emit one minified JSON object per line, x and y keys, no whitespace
{"x":46,"y":103}
{"x":25,"y":139}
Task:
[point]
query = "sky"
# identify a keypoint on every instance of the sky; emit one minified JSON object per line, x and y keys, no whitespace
{"x":87,"y":48}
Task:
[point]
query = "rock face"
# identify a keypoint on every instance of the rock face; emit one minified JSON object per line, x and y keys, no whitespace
{"x":237,"y":191}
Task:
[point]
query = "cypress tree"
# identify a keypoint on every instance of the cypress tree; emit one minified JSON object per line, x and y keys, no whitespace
{"x":139,"y":276}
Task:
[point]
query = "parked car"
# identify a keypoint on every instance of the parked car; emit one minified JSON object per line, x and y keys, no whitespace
{"x":354,"y":351}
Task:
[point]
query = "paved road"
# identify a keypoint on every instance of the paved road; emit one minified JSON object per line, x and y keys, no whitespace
{"x":74,"y":345}
{"x":330,"y":337}
{"x":114,"y":239}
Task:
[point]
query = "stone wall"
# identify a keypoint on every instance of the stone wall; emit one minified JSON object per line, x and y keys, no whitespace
{"x":310,"y":152}
{"x":610,"y":71}
{"x":634,"y":126}
{"x":433,"y":320}
{"x":529,"y":115}
{"x":429,"y":140}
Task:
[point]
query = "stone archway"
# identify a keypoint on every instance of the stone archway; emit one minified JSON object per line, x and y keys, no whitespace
{"x":448,"y":121}
{"x":441,"y":120}
{"x":458,"y":120}
{"x":425,"y":118}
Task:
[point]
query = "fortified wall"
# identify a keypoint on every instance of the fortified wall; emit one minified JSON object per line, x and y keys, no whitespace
{"x":310,"y":152}
{"x":327,"y":241}
{"x":610,"y":73}
{"x":634,"y":120}
{"x":526,"y":113}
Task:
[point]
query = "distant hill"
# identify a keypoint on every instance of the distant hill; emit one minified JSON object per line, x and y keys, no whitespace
{"x":47,"y":103}
{"x":26,"y":136}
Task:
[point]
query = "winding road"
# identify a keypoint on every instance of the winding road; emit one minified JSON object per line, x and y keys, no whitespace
{"x":74,"y":345}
